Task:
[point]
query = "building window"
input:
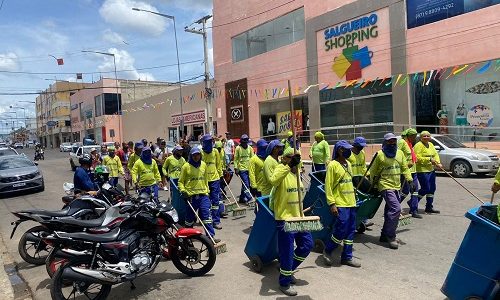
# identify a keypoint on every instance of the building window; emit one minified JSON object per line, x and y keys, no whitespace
{"x":111,"y":105}
{"x":98,"y":105}
{"x":271,"y":35}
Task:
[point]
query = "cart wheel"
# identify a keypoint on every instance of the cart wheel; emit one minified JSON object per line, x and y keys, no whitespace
{"x":319,"y":246}
{"x":361,"y":228}
{"x":256,"y":263}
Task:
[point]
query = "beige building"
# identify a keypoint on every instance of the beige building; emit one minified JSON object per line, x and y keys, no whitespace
{"x":159,"y":115}
{"x":53,"y":113}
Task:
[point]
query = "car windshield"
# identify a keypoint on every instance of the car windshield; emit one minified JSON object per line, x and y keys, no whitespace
{"x":449,"y":142}
{"x":7,"y":151}
{"x":15,"y":162}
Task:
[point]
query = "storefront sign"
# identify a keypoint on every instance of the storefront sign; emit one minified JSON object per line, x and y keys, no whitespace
{"x":195,"y":117}
{"x":421,"y":12}
{"x":284,"y":119}
{"x":480,"y":116}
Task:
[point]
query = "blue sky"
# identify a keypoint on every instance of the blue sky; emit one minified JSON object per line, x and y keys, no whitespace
{"x":31,"y":30}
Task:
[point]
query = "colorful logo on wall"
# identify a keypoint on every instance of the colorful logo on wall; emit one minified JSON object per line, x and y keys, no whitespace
{"x":480,"y":116}
{"x":351,"y":62}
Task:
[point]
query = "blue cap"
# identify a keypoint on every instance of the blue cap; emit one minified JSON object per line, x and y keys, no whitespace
{"x":390,"y":136}
{"x":262,"y":143}
{"x":177,"y":148}
{"x":244,"y":137}
{"x":359,"y":141}
{"x":139,"y":145}
{"x":206,"y":137}
{"x":343,"y":144}
{"x":195,"y":150}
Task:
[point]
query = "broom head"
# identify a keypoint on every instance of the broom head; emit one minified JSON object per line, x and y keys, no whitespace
{"x":231,"y":206}
{"x":220,"y":248}
{"x":239,"y":212}
{"x":404,"y":220}
{"x":309,"y":223}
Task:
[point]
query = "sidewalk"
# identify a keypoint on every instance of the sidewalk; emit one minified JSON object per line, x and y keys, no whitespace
{"x":6,"y":291}
{"x":12,"y":286}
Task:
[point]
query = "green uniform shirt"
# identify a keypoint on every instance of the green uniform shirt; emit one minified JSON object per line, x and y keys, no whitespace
{"x":114,"y":165}
{"x":222,"y":160}
{"x":269,"y":165}
{"x":147,"y":175}
{"x":387,"y":171}
{"x":172,"y":166}
{"x":131,"y":160}
{"x":193,"y":181}
{"x":256,"y":172}
{"x":338,"y":185}
{"x":242,"y":157}
{"x":358,"y":163}
{"x":405,"y":148}
{"x":424,"y":155}
{"x":284,"y":198}
{"x":320,"y":152}
{"x":212,"y":160}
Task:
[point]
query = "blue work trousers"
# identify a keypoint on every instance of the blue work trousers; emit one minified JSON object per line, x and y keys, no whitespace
{"x":392,"y":212}
{"x":343,"y":232}
{"x":245,"y":195}
{"x":214,"y":187}
{"x":201,"y":205}
{"x":152,"y":189}
{"x":405,"y":191}
{"x":427,"y":182}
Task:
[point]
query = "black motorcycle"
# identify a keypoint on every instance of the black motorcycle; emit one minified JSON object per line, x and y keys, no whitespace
{"x":39,"y":154}
{"x":129,"y":251}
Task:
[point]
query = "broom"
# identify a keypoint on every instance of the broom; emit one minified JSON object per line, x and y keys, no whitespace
{"x":302,"y":223}
{"x":252,"y":202}
{"x":220,"y":247}
{"x":237,"y":211}
{"x":458,"y":182}
{"x":230,"y":205}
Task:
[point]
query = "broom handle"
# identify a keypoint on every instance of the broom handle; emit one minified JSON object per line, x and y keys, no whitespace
{"x":246,"y":187}
{"x":458,"y":182}
{"x":231,"y":192}
{"x":492,"y":197}
{"x":368,"y":169}
{"x":292,"y":124}
{"x":201,"y":222}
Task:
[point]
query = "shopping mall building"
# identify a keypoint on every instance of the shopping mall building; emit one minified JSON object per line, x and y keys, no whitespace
{"x":357,"y":67}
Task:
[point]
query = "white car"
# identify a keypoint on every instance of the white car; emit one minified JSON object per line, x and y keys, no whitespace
{"x":75,"y":156}
{"x":65,"y":147}
{"x":18,"y":145}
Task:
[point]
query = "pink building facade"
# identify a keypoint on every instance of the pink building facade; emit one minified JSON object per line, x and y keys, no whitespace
{"x":94,"y":112}
{"x":357,"y":67}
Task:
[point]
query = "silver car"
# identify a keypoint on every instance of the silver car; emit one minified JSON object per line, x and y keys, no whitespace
{"x":65,"y":147}
{"x":8,"y":151}
{"x":18,"y":173}
{"x":461,"y":160}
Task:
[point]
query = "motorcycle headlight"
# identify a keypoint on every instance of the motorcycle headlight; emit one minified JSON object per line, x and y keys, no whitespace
{"x":173,"y":214}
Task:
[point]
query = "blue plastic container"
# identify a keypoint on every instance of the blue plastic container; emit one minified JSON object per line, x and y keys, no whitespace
{"x":475,"y":272}
{"x":262,"y":244}
{"x":177,"y":202}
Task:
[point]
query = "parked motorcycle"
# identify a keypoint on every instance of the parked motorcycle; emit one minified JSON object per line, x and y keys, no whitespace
{"x":131,"y":250}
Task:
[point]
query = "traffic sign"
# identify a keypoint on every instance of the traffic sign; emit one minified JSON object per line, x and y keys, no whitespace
{"x":51,"y":123}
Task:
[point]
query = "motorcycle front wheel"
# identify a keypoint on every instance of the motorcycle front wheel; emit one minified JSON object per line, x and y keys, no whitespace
{"x":32,"y":248}
{"x":194,"y":256}
{"x":64,"y":288}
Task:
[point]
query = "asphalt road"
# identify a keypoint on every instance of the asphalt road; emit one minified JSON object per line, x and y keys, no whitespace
{"x":415,"y":271}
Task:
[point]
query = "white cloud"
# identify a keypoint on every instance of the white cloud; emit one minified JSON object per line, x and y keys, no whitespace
{"x":8,"y":62}
{"x":124,"y":61}
{"x":110,"y":36}
{"x":120,"y":14}
{"x":204,"y":6}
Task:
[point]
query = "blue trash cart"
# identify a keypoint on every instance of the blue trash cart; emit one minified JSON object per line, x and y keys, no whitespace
{"x":262,"y":244}
{"x":475,"y":272}
{"x":177,"y":202}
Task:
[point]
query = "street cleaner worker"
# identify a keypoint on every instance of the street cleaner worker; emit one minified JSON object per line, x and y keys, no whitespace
{"x":114,"y":165}
{"x":273,"y":151}
{"x":211,"y":158}
{"x":242,"y":156}
{"x":82,"y":180}
{"x":172,"y":168}
{"x":341,"y":198}
{"x":256,"y":168}
{"x":386,"y":172}
{"x":284,"y":202}
{"x":405,"y":144}
{"x":495,"y":188}
{"x":225,"y":172}
{"x":136,"y":155}
{"x":427,"y":158}
{"x":320,"y":152}
{"x":193,"y":185}
{"x":145,"y":174}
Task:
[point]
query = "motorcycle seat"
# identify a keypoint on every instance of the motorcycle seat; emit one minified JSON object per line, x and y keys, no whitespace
{"x":100,"y":238}
{"x":42,"y":212}
{"x":81,"y":223}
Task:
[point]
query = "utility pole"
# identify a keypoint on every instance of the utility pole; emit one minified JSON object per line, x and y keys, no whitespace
{"x":209,"y":127}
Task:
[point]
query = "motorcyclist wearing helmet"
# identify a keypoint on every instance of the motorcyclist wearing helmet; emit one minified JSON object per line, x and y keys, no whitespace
{"x":82,"y":179}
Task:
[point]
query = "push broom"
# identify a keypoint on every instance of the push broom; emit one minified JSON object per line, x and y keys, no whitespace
{"x":220,"y":247}
{"x":237,"y":211}
{"x":253,"y":201}
{"x":460,"y":184}
{"x":302,"y":223}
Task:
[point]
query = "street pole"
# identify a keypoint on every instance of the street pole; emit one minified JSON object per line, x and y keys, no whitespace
{"x":118,"y":102}
{"x":208,"y":96}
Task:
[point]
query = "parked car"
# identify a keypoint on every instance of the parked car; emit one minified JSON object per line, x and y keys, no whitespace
{"x":18,"y":145}
{"x":4,"y":151}
{"x":107,"y":144}
{"x":65,"y":147}
{"x":460,"y":160}
{"x":75,"y":156}
{"x":18,"y":173}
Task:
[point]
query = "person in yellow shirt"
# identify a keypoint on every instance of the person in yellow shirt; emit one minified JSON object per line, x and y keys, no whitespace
{"x":211,"y":158}
{"x":114,"y":165}
{"x":242,"y":156}
{"x":320,"y":152}
{"x":495,"y":188}
{"x":274,"y":151}
{"x":136,"y":155}
{"x":285,"y":204}
{"x":219,"y":146}
{"x":288,"y":142}
{"x":145,"y":174}
{"x":172,"y":169}
{"x":427,"y":158}
{"x":387,"y":168}
{"x":193,"y":185}
{"x":341,"y":198}
{"x":405,"y":144}
{"x":256,"y":168}
{"x":357,"y":159}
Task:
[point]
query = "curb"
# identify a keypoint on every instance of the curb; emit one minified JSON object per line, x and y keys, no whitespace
{"x":20,"y":287}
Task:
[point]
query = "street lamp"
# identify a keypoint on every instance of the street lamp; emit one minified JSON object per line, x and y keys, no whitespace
{"x":178,"y":63}
{"x":118,"y":108}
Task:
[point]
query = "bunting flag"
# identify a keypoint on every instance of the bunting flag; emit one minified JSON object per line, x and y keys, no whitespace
{"x":457,"y":71}
{"x":430,"y":77}
{"x":484,"y":68}
{"x":60,"y":61}
{"x":397,"y":80}
{"x":472,"y":67}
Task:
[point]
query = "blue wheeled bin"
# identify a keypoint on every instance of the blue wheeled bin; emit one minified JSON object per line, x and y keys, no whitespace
{"x":262,"y":244}
{"x":177,"y":202}
{"x":475,"y":272}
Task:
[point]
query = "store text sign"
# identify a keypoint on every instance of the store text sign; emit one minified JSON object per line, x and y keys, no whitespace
{"x":195,"y":117}
{"x":284,"y":119}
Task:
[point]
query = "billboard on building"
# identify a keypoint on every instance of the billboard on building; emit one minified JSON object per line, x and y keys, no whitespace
{"x":421,"y":12}
{"x":284,"y":119}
